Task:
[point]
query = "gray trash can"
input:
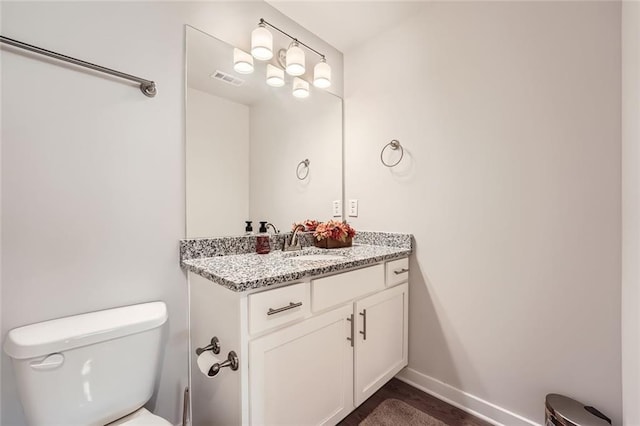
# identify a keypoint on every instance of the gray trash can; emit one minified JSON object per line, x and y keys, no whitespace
{"x":563,"y":411}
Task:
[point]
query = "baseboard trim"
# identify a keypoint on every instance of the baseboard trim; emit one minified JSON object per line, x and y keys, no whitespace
{"x":465,"y":401}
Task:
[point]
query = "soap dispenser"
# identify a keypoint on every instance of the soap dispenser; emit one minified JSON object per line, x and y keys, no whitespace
{"x":248,"y":230}
{"x":263,"y":245}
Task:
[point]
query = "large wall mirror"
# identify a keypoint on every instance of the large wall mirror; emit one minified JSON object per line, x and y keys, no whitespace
{"x":245,"y":141}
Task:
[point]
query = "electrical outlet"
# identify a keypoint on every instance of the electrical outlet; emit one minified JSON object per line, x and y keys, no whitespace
{"x":337,"y":208}
{"x":353,"y":208}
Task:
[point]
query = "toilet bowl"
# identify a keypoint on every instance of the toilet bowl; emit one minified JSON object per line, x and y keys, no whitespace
{"x":96,"y":368}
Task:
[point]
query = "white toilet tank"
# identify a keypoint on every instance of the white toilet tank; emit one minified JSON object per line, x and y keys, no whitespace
{"x":88,"y":369}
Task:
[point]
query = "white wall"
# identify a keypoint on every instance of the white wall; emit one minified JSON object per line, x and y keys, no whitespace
{"x":631,"y":212}
{"x":217,"y":172}
{"x":93,"y":171}
{"x":92,"y":176}
{"x":509,"y":113}
{"x":284,"y":133}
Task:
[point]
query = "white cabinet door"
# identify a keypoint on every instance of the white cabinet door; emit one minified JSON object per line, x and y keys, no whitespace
{"x":381,"y":339}
{"x":303,"y":374}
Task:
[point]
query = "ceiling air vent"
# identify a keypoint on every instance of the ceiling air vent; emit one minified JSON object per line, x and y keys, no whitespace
{"x":227,"y":78}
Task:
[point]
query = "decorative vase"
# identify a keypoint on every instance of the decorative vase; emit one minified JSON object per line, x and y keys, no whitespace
{"x":331,"y":243}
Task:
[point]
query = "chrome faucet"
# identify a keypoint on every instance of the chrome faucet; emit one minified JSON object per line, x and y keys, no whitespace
{"x":294,"y":243}
{"x":275,"y":230}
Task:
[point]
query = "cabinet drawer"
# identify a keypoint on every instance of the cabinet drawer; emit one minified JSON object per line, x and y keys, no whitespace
{"x":276,"y":307}
{"x":336,"y":289}
{"x":397,"y":271}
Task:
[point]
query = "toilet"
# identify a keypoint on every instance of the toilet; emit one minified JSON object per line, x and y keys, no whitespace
{"x":96,"y":369}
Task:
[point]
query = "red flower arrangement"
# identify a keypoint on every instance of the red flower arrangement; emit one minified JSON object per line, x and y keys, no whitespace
{"x":334,"y":234}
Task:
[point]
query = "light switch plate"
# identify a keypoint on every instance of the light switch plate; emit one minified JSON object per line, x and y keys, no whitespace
{"x":353,"y":208}
{"x":337,"y":208}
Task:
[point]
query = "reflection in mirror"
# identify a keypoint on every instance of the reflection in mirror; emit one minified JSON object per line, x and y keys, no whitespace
{"x":245,"y":141}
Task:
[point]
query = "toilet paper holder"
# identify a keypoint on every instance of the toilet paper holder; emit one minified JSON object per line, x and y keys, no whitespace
{"x":213,"y":346}
{"x":231,"y":361}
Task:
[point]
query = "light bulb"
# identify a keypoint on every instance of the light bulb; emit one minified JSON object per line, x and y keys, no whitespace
{"x":262,"y":43}
{"x":295,"y":60}
{"x":275,"y":76}
{"x":300,"y":88}
{"x":242,"y":61}
{"x":322,"y":75}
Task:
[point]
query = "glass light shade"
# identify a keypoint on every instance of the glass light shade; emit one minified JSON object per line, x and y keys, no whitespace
{"x":322,"y":75}
{"x":275,"y":76}
{"x":262,"y":44}
{"x":295,"y":60}
{"x":242,"y":61}
{"x":300,"y":88}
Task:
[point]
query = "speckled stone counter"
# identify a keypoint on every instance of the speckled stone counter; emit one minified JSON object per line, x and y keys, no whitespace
{"x":248,"y":271}
{"x":223,"y":246}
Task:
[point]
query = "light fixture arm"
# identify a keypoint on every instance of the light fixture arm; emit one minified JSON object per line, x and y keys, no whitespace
{"x":263,"y":22}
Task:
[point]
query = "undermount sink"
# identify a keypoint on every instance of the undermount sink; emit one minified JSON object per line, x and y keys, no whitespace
{"x":318,"y":257}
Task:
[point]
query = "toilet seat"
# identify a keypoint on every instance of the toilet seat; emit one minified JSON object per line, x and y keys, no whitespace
{"x":141,"y":417}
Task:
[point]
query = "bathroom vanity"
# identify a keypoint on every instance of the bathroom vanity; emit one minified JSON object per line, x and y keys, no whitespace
{"x":316,"y":332}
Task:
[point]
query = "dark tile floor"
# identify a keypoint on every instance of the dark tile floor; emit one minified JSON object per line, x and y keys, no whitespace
{"x":442,"y":411}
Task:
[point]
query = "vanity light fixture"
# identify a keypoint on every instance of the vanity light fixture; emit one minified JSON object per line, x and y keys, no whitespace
{"x":295,"y":60}
{"x":275,"y":76}
{"x":242,"y":61}
{"x":322,"y":74}
{"x":291,"y":59}
{"x":300,"y":88}
{"x":262,"y":43}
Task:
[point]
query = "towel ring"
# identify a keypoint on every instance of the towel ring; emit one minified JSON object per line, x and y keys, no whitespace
{"x":394,"y":145}
{"x":302,"y":171}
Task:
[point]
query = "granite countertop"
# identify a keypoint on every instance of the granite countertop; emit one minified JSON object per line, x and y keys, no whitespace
{"x":242,"y":272}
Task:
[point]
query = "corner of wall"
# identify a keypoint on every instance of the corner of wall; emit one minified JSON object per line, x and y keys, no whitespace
{"x":630,"y":318}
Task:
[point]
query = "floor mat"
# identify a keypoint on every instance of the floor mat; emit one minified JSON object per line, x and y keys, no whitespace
{"x":393,"y":412}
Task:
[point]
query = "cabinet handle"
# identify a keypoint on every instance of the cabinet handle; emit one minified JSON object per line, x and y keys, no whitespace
{"x":400,"y":271}
{"x":350,"y":319}
{"x":291,"y":305}
{"x":364,"y":324}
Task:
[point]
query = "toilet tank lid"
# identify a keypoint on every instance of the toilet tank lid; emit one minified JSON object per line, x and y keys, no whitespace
{"x":66,"y":333}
